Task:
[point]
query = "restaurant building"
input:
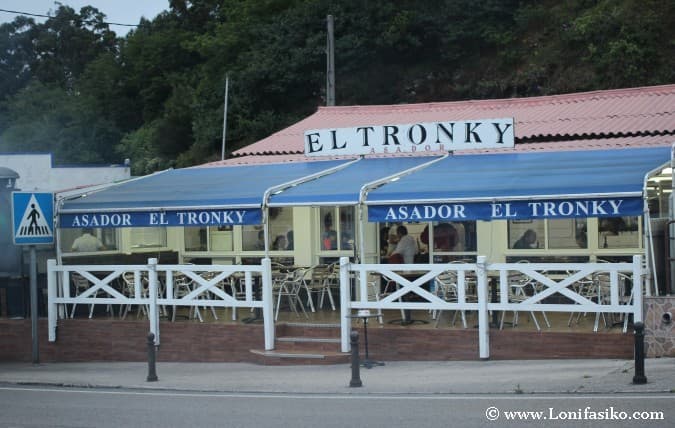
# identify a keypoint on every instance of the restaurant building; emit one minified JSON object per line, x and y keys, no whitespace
{"x":565,"y":180}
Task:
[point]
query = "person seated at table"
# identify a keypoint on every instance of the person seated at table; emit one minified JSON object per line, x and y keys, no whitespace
{"x":87,"y":242}
{"x":406,"y":246}
{"x":528,"y":240}
{"x":279,"y":243}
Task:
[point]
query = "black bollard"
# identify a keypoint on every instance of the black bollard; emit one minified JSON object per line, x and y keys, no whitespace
{"x":356,"y":364}
{"x":152,"y":373}
{"x":639,"y":377}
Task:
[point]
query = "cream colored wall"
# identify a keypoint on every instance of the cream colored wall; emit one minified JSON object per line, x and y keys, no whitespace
{"x":370,"y":233}
{"x":492,"y":241}
{"x":303,"y":236}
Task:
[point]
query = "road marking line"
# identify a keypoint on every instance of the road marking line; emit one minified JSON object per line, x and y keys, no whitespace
{"x":373,"y":396}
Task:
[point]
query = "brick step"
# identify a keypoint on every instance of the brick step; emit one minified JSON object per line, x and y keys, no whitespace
{"x":308,"y":344}
{"x":318,"y":330}
{"x":288,"y":358}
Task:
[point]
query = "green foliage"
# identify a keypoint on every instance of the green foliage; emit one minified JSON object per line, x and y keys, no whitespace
{"x":47,"y":118}
{"x":156,"y":96}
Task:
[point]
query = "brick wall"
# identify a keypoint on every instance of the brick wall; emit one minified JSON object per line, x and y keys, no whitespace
{"x":116,"y":340}
{"x":113,"y":340}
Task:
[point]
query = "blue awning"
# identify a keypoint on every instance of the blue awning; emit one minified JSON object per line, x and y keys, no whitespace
{"x":461,"y":187}
{"x":343,"y":187}
{"x":593,"y":183}
{"x":186,"y":197}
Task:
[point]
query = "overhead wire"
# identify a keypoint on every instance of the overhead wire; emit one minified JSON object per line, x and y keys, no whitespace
{"x":50,"y":16}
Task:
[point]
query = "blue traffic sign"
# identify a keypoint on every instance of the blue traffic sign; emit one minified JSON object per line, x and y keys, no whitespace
{"x":33,"y":218}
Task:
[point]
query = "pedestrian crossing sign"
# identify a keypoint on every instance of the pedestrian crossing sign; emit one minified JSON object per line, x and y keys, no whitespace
{"x":33,"y":218}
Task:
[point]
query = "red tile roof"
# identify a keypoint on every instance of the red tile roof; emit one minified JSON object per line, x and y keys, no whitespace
{"x":599,"y":119}
{"x":555,"y":145}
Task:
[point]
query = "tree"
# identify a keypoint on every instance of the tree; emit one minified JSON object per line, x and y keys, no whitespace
{"x":64,"y":44}
{"x":47,"y":118}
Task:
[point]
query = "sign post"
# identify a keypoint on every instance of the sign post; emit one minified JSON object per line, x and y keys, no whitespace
{"x":33,"y":223}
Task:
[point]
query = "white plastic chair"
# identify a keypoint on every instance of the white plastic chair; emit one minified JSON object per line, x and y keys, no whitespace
{"x":82,"y":284}
{"x":289,"y":286}
{"x":129,"y":290}
{"x":518,"y":284}
{"x":446,"y":288}
{"x":323,"y":280}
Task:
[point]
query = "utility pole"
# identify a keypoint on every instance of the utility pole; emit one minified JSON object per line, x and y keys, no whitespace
{"x":222,"y":150}
{"x":330,"y":75}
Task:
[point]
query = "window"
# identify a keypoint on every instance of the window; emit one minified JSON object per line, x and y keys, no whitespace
{"x":451,"y":237}
{"x":195,"y":238}
{"x":220,"y":238}
{"x":280,"y":232}
{"x":253,"y":238}
{"x":337,"y":235}
{"x":281,"y":229}
{"x":567,"y":233}
{"x":526,"y":234}
{"x":389,"y":241}
{"x":570,"y":234}
{"x":548,"y":234}
{"x":99,"y":239}
{"x":148,"y":237}
{"x":619,"y":232}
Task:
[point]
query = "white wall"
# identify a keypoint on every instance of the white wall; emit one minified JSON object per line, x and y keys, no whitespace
{"x":36,"y":172}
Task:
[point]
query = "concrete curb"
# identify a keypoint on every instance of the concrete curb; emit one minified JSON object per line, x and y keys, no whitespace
{"x":443,"y":377}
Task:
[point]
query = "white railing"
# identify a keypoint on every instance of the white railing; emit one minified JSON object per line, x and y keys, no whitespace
{"x":597,"y":288}
{"x":152,"y":287}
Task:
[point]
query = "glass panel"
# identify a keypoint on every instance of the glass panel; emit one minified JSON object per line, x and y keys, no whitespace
{"x":88,"y":240}
{"x":526,"y":234}
{"x":329,"y":239}
{"x":195,"y":238}
{"x":221,"y":238}
{"x":347,"y":228}
{"x":452,"y":237}
{"x":619,"y":232}
{"x":281,"y":224}
{"x":567,"y":233}
{"x":402,"y":245}
{"x":253,"y":238}
{"x":145,"y":237}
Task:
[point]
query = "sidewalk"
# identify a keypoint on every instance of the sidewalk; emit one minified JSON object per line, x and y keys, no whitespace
{"x":444,"y":377}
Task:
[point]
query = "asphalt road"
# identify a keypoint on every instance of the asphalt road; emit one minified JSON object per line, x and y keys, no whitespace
{"x":31,"y":407}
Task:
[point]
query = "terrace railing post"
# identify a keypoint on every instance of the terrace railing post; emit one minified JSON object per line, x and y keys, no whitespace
{"x":637,"y":289}
{"x":483,"y":322}
{"x":345,"y":304}
{"x":268,"y":304}
{"x":152,"y":291}
{"x":152,"y":358}
{"x":639,"y":377}
{"x":52,"y":307}
{"x":355,"y":382}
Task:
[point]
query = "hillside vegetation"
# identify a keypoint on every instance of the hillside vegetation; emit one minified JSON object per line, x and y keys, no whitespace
{"x":69,"y":86}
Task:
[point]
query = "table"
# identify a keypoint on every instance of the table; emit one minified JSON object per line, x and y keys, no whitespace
{"x":365,"y":315}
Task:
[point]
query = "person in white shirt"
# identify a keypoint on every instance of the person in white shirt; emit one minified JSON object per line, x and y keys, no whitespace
{"x":87,"y":242}
{"x":407,"y":245}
